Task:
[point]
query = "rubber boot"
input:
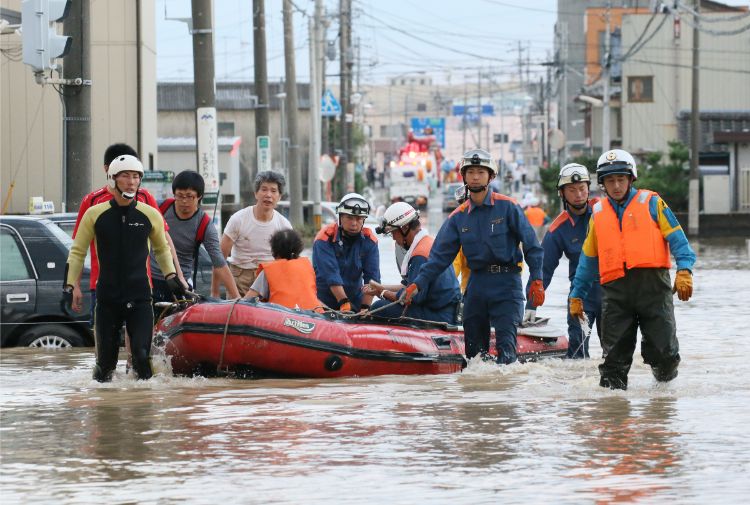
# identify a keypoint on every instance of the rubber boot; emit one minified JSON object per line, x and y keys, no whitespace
{"x":665,"y":372}
{"x":614,"y":382}
{"x":100,"y":375}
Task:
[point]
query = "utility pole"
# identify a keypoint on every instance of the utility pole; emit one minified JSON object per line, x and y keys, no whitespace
{"x":466,"y":107}
{"x":204,"y":88}
{"x":564,"y":94}
{"x":605,"y":77}
{"x":695,"y":133}
{"x":313,"y":176}
{"x":295,"y":168}
{"x":261,"y":85}
{"x":479,"y":109}
{"x":77,"y":107}
{"x":346,"y":161}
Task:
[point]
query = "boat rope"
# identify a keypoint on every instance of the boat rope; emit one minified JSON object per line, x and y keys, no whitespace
{"x":224,"y":338}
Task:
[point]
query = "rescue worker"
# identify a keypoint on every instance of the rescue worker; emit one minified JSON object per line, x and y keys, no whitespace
{"x":489,"y":228}
{"x":538,"y":219}
{"x":630,"y":235}
{"x":105,"y":194}
{"x":288,"y":280}
{"x":565,"y":236}
{"x":440,"y":299}
{"x":191,"y":228}
{"x":246,"y":239}
{"x":123,"y":229}
{"x":345,"y":257}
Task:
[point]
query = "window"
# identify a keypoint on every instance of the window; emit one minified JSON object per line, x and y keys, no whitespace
{"x":421,"y":107}
{"x":641,"y":88}
{"x":225,"y":129}
{"x":13,"y":267}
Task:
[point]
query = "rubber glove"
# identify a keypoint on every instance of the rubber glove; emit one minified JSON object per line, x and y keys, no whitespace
{"x":345,"y":305}
{"x":683,"y":285}
{"x":536,"y":293}
{"x":576,"y":308}
{"x":529,"y":316}
{"x":409,"y":293}
{"x":176,"y":287}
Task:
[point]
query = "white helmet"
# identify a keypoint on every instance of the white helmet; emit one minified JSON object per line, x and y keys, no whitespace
{"x":353,"y":204}
{"x":477,"y":158}
{"x":397,"y":215}
{"x":124,"y":163}
{"x":615,"y":161}
{"x":571,"y":173}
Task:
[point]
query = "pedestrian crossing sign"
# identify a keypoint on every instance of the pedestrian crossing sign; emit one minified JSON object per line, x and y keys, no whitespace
{"x":329,"y":105}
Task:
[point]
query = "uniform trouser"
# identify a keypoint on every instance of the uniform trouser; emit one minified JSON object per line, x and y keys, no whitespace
{"x":448,"y":314}
{"x":578,"y":342}
{"x":139,"y":321}
{"x":493,"y":300}
{"x":643,"y":298}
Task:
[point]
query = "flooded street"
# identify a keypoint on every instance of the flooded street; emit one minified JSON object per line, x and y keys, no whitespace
{"x":532,"y":433}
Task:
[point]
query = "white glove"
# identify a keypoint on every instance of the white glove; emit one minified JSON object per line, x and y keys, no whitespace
{"x":529,"y":316}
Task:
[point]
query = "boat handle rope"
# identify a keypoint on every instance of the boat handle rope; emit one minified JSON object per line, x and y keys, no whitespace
{"x":224,"y":338}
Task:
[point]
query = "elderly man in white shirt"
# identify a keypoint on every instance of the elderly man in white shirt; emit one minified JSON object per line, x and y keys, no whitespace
{"x":246,"y":240}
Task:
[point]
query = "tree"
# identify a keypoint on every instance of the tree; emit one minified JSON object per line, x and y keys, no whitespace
{"x":669,"y":179}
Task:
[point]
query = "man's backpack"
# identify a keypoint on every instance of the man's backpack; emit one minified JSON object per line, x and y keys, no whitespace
{"x":200,"y":234}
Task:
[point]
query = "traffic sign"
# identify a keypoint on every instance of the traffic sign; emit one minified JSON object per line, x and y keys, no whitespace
{"x":264,"y":152}
{"x":329,"y":106}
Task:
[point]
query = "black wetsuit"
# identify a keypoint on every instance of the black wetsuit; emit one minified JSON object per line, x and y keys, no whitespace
{"x":123,"y":236}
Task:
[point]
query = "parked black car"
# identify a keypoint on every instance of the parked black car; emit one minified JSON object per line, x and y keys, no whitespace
{"x":33,"y":254}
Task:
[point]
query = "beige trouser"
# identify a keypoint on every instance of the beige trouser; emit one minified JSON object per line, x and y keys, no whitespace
{"x":243,"y":277}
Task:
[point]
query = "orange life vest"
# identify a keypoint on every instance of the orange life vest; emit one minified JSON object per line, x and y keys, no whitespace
{"x":423,"y":247}
{"x":535,"y":215}
{"x":291,"y":283}
{"x":638,"y":243}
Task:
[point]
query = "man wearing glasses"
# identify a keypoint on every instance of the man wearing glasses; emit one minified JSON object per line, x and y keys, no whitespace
{"x":190,"y":228}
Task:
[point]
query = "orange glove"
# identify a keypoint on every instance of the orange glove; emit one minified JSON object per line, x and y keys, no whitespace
{"x":683,"y":285}
{"x":576,"y":308}
{"x":536,"y":293}
{"x":345,"y":305}
{"x":408,"y":294}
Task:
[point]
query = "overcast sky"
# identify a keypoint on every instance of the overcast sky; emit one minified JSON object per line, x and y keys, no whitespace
{"x":449,"y":39}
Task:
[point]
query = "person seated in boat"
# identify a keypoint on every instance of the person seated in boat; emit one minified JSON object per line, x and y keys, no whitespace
{"x":439,"y":300}
{"x":288,"y":280}
{"x":345,"y":256}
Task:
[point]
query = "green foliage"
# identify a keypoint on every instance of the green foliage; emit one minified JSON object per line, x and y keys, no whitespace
{"x":669,"y":179}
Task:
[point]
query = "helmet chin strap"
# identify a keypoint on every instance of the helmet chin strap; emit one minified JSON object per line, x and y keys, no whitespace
{"x":128,"y":196}
{"x":476,"y":189}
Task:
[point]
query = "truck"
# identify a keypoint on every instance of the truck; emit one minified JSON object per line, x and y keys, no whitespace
{"x":415,"y":171}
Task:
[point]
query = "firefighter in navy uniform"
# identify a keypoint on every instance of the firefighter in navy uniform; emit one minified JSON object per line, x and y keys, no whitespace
{"x":345,"y":257}
{"x":123,"y":229}
{"x":630,"y":236}
{"x":565,"y":236}
{"x":440,"y":300}
{"x":489,"y":227}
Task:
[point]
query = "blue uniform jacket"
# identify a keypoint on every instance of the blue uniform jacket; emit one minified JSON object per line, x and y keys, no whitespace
{"x":444,"y":291}
{"x":489,"y":234}
{"x":565,"y":236}
{"x":588,"y":267}
{"x":347,"y":263}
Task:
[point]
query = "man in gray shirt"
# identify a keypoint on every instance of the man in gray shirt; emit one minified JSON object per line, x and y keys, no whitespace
{"x":190,"y":228}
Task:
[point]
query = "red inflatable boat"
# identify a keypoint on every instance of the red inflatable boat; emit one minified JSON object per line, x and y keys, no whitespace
{"x":266,"y":339}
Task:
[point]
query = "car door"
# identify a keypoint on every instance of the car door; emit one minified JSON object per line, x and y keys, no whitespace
{"x":18,"y":286}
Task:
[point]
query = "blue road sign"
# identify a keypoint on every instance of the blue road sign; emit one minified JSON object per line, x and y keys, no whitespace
{"x":329,"y":106}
